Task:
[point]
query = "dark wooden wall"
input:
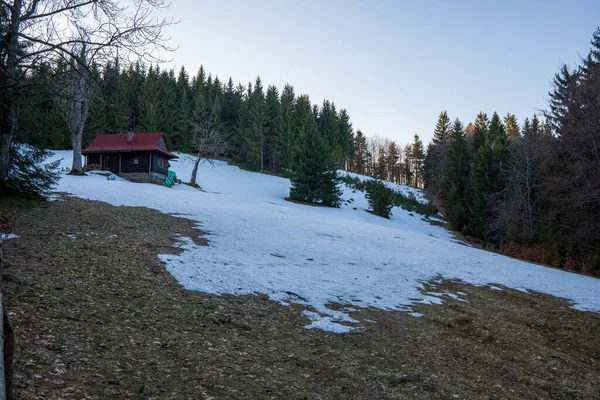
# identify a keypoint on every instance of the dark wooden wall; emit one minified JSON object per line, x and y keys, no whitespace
{"x":160,"y":163}
{"x":128,"y":163}
{"x":93,"y":159}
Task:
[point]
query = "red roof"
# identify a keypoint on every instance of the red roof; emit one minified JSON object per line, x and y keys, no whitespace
{"x":118,"y":144}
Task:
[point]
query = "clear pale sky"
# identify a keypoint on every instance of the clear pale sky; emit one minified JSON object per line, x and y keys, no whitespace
{"x":394,"y":65}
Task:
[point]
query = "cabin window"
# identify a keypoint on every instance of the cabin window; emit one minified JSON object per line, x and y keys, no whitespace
{"x":160,"y":163}
{"x":136,"y":160}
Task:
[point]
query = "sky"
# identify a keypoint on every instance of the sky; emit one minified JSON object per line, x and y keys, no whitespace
{"x":394,"y":65}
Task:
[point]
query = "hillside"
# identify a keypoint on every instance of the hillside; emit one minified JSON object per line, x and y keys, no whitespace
{"x":261,"y":244}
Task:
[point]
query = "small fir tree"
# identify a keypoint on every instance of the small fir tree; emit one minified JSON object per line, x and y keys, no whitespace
{"x":313,"y":177}
{"x":380,"y":198}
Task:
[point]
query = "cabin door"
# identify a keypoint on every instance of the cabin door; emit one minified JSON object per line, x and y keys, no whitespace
{"x":111,"y":163}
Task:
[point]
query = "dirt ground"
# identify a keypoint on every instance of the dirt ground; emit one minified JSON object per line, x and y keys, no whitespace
{"x":97,"y":316}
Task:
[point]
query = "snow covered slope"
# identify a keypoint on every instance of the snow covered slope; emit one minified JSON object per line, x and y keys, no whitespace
{"x":260,"y":243}
{"x":407,"y":191}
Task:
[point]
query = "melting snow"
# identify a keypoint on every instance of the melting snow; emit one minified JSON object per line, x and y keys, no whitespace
{"x":314,"y":256}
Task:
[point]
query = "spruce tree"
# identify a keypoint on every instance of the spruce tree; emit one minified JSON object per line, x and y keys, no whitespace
{"x":180,"y":134}
{"x":433,"y":168}
{"x":232,"y":106}
{"x":360,"y":153}
{"x":29,"y":174}
{"x":313,"y":176}
{"x":254,"y":138}
{"x":443,"y":127}
{"x":417,"y":157}
{"x":328,"y":128}
{"x":487,"y":176}
{"x":286,"y":137}
{"x":381,"y":164}
{"x":346,"y":139}
{"x":480,"y":126}
{"x":562,"y":97}
{"x":149,"y":103}
{"x":392,"y":166}
{"x":272,"y":149}
{"x":511,"y":125}
{"x":456,"y":178}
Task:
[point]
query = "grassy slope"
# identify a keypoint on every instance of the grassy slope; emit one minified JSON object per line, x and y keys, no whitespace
{"x":99,"y":316}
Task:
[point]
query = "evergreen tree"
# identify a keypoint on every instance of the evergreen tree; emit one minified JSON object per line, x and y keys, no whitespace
{"x":393,"y":157}
{"x":328,"y":128}
{"x":167,"y":104}
{"x":456,"y":177}
{"x":480,"y":128}
{"x":511,"y":125}
{"x":286,"y":138}
{"x":433,"y":168}
{"x":407,"y":169}
{"x":442,"y":130}
{"x":417,"y":157}
{"x":360,"y":153}
{"x":561,"y":97}
{"x":381,"y":165}
{"x":29,"y":174}
{"x":313,"y":176}
{"x":180,"y":134}
{"x":380,"y":198}
{"x":487,"y":176}
{"x":150,"y":120}
{"x":272,"y":112}
{"x":254,"y":138}
{"x":232,"y":106}
{"x":346,"y":135}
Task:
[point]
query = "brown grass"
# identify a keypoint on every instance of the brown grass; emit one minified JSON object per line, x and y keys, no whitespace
{"x":98,"y":317}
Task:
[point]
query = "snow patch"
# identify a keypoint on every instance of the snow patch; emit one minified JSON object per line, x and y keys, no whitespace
{"x":329,"y":256}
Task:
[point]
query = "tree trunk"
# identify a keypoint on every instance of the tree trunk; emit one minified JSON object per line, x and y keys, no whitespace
{"x":76,"y":114}
{"x":195,"y":172}
{"x":77,"y":168}
{"x":5,"y":141}
{"x":262,"y":153}
{"x":9,"y":81}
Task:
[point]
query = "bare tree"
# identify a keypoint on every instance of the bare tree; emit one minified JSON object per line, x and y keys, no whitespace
{"x":73,"y":92}
{"x":207,"y":138}
{"x":516,"y":209}
{"x":40,"y":31}
{"x":209,"y":144}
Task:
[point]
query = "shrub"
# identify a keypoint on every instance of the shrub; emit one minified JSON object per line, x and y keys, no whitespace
{"x":398,"y":199}
{"x":29,"y":175}
{"x":380,"y":197}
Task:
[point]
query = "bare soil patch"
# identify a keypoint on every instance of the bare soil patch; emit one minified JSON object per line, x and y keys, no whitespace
{"x":97,"y":316}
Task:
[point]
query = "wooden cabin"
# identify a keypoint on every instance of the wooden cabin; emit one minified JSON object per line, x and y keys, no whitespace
{"x":142,"y":157}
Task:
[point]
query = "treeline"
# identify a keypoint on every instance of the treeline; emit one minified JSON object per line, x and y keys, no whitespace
{"x":532,"y":188}
{"x":257,"y":127}
{"x":387,"y":160}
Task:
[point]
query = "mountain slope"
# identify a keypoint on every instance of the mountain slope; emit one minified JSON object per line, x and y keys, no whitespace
{"x":260,"y":243}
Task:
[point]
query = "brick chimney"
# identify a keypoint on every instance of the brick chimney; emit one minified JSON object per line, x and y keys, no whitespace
{"x":129,"y":135}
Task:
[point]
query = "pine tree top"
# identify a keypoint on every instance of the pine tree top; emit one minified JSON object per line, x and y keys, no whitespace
{"x":442,"y":129}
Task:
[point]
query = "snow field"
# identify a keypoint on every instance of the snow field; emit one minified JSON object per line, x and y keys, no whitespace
{"x":260,"y":243}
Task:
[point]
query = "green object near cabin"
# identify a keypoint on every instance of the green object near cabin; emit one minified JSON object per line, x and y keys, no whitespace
{"x":170,"y":179}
